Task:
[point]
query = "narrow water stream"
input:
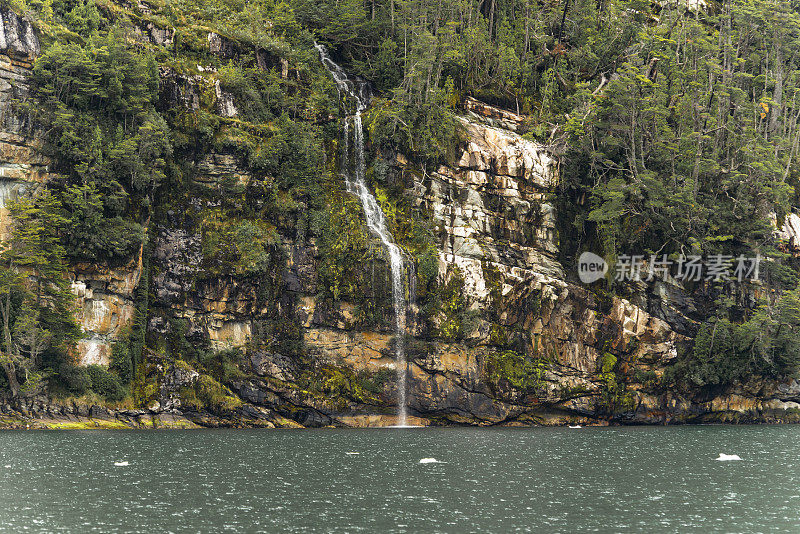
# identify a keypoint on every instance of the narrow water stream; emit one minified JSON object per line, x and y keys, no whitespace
{"x":376,"y":221}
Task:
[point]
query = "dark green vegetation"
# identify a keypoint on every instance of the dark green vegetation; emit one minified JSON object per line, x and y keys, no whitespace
{"x":724,"y":352}
{"x":678,"y":130}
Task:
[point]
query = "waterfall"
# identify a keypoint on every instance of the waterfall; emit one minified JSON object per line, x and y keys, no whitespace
{"x":376,"y":222}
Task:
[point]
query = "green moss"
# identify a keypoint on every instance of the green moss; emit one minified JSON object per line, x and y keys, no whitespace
{"x":494,"y":282}
{"x":498,"y":335}
{"x":89,"y":424}
{"x":647,"y":378}
{"x":340,"y":385}
{"x":235,"y":246}
{"x":615,"y":397}
{"x":450,"y":308}
{"x":516,"y":370}
{"x":344,"y":249}
{"x":208,"y":394}
{"x":189,"y":399}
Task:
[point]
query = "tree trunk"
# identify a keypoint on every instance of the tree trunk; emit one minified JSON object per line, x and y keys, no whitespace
{"x":11,"y":374}
{"x":563,"y":21}
{"x":10,"y":351}
{"x":777,"y":96}
{"x":527,"y":31}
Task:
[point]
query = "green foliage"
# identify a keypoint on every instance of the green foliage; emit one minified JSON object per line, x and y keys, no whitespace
{"x":258,"y":95}
{"x":136,"y":338}
{"x":680,"y":130}
{"x":767,"y":344}
{"x":214,"y":396}
{"x":448,"y":309}
{"x":239,"y":247}
{"x":426,"y":131}
{"x":343,"y":249}
{"x":222,"y":365}
{"x":96,"y":102}
{"x":105,"y":383}
{"x":510,"y":368}
{"x":293,"y":156}
{"x":121,"y":362}
{"x":89,"y":233}
{"x":688,"y":146}
{"x":75,"y":379}
{"x":38,"y":327}
{"x":427,"y":267}
{"x":206,"y":393}
{"x":340,"y":383}
{"x":614,"y":396}
{"x":216,"y":367}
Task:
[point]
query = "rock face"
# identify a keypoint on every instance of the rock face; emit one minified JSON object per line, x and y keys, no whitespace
{"x":104,"y":295}
{"x":534,"y":346}
{"x":599,"y":359}
{"x":493,"y":210}
{"x":497,"y":117}
{"x":21,"y":163}
{"x":105,"y":307}
{"x":790,"y":233}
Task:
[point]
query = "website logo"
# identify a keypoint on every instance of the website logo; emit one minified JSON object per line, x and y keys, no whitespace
{"x":693,"y":268}
{"x":591,"y":267}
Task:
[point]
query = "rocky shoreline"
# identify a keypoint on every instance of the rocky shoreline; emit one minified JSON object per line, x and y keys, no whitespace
{"x":67,"y":415}
{"x":75,"y":415}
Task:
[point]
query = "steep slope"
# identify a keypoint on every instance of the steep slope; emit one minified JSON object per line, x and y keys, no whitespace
{"x":258,"y":297}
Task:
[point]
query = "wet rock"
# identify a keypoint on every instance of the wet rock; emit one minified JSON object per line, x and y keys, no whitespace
{"x":266,"y":363}
{"x":17,"y":36}
{"x":221,"y":46}
{"x":225,"y":105}
{"x":174,"y":378}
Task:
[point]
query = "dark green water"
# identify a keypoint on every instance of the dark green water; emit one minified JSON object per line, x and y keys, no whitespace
{"x":490,"y":480}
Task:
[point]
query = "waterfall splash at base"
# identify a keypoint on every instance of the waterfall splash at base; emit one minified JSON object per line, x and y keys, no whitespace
{"x":376,"y":222}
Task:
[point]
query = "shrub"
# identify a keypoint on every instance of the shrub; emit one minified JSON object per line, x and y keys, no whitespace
{"x":223,"y":365}
{"x":767,"y":344}
{"x":614,"y":393}
{"x":105,"y":383}
{"x":121,"y":361}
{"x":76,"y":379}
{"x":451,"y":307}
{"x":215,"y":396}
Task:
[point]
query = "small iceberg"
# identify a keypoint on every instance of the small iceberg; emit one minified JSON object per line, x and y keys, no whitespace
{"x":121,"y":464}
{"x":575,"y":426}
{"x":352,"y":453}
{"x":429,"y":461}
{"x":727,"y":457}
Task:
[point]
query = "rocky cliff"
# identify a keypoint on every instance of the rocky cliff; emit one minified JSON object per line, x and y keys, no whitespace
{"x":598,"y":358}
{"x":22,"y":163}
{"x":104,"y":295}
{"x":502,"y":334}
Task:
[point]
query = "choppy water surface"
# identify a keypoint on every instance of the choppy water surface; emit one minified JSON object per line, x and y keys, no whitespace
{"x":487,"y":480}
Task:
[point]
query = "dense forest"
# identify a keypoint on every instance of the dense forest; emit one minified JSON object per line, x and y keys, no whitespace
{"x":676,"y":124}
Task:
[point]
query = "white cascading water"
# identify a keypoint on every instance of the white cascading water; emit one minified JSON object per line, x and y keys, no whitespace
{"x":376,"y":222}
